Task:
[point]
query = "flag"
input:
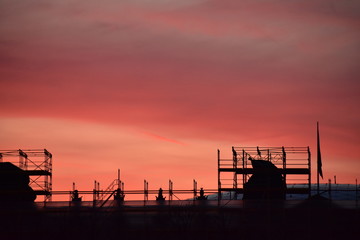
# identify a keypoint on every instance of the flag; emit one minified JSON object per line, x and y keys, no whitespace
{"x":319,"y":163}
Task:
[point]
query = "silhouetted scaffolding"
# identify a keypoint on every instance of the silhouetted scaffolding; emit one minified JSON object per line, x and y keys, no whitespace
{"x":37,"y":163}
{"x":294,"y":164}
{"x":116,"y":191}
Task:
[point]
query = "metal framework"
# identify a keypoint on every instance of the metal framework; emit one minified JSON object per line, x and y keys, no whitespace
{"x":37,"y":163}
{"x":293,"y":162}
{"x":101,"y":197}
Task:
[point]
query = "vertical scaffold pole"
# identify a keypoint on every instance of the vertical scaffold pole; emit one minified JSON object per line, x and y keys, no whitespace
{"x":356,"y":192}
{"x":195,"y":189}
{"x":22,"y":160}
{"x":48,"y":180}
{"x":219,"y":182}
{"x":235,"y":184}
{"x":243,"y":166}
{"x":170,"y":190}
{"x":309,"y":166}
{"x":284,"y":163}
{"x":94,"y":193}
{"x":98,"y":191}
{"x":146,"y":191}
{"x":118,"y":179}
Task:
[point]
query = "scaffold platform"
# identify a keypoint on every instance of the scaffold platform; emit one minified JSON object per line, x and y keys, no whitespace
{"x":294,"y":164}
{"x":37,"y":163}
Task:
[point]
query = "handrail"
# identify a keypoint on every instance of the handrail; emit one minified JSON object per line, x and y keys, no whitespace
{"x":108,"y":189}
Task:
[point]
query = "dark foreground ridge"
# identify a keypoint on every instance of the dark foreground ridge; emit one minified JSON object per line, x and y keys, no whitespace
{"x":236,"y":219}
{"x":264,"y":213}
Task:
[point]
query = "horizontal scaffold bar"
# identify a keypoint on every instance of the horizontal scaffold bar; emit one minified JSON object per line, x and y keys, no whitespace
{"x":165,"y":191}
{"x":288,"y":190}
{"x":38,"y":172}
{"x":42,"y":192}
{"x":251,"y":170}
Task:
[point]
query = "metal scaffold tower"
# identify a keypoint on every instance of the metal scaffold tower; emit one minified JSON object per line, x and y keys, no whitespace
{"x":294,"y":163}
{"x":37,"y":163}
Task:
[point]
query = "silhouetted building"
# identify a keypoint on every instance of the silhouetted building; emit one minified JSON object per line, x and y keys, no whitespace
{"x":14,"y":184}
{"x":266,"y":182}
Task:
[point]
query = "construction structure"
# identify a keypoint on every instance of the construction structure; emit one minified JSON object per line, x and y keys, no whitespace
{"x":37,"y":163}
{"x":294,"y":163}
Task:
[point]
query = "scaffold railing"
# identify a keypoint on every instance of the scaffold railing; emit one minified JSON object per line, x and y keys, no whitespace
{"x":294,"y":163}
{"x":37,"y":163}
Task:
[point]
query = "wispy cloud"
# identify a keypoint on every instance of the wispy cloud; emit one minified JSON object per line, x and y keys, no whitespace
{"x":161,"y":138}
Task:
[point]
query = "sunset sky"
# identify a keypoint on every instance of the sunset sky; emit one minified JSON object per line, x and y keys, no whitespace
{"x":155,"y":87}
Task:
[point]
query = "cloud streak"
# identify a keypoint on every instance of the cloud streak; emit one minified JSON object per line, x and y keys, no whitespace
{"x":161,"y":138}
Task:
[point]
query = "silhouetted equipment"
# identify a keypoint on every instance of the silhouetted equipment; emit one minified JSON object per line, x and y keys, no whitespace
{"x":119,"y":195}
{"x":146,"y":190}
{"x":171,"y":193}
{"x":265,"y":183}
{"x":195,"y":188}
{"x":160,"y":196}
{"x":75,"y":195}
{"x":202,"y":195}
{"x":14,"y":184}
{"x":119,"y":192}
{"x":37,"y":164}
{"x":293,"y":164}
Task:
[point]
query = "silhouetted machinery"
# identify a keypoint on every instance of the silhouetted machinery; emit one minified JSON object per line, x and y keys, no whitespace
{"x":75,"y":196}
{"x":160,"y":196}
{"x":266,"y":182}
{"x":14,"y":184}
{"x":119,"y":195}
{"x":202,"y":195}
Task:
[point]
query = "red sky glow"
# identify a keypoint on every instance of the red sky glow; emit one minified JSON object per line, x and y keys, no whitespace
{"x":156,"y":87}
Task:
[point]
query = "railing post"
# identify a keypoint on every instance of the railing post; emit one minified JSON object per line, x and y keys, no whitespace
{"x":219,"y":181}
{"x":98,"y":190}
{"x":284,"y":163}
{"x":118,"y":179}
{"x":94,"y":194}
{"x":195,"y":189}
{"x":243,"y":166}
{"x":309,"y":166}
{"x":170,"y":190}
{"x":235,"y":184}
{"x":146,"y":191}
{"x":356,"y":192}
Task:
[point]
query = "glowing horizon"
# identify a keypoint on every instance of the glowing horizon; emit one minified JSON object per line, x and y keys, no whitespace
{"x":156,"y":87}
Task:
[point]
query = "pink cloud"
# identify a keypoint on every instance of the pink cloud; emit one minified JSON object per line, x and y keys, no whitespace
{"x":161,"y":138}
{"x":230,"y":71}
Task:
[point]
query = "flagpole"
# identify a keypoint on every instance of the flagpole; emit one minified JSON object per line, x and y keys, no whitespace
{"x":318,"y":182}
{"x":319,"y":163}
{"x":318,"y":146}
